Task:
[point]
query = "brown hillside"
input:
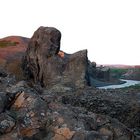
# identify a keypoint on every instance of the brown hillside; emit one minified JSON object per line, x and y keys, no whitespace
{"x":12,"y":49}
{"x":12,"y":45}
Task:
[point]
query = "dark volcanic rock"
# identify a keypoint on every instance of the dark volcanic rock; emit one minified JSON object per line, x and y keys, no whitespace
{"x":31,"y":114}
{"x":123,"y":105}
{"x":44,"y":64}
{"x":44,"y":44}
{"x":25,"y":114}
{"x":7,"y":123}
{"x":98,"y":75}
{"x":42,"y":116}
{"x":2,"y":73}
{"x":3,"y":101}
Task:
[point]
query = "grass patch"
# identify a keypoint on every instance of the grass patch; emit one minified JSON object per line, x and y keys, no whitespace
{"x":5,"y":43}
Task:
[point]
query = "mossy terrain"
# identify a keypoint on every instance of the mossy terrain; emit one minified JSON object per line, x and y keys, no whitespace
{"x":5,"y":43}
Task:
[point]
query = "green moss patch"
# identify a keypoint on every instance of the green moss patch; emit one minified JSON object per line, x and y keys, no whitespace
{"x":5,"y":43}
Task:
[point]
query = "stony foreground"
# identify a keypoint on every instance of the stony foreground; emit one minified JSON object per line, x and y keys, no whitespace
{"x":38,"y":114}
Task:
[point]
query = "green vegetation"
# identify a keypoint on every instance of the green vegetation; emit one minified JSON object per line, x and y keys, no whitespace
{"x":117,"y":72}
{"x":5,"y":43}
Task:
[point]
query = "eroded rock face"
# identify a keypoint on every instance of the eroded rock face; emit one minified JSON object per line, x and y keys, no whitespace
{"x":44,"y":64}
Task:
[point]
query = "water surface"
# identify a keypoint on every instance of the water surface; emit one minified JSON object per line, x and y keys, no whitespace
{"x":127,"y":84}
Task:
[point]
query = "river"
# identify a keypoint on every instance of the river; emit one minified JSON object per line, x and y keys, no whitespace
{"x":127,"y":84}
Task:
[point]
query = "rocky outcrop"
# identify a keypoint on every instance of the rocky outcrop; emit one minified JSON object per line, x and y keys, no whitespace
{"x":98,"y":75}
{"x":44,"y":63}
{"x":55,"y":102}
{"x":103,"y":73}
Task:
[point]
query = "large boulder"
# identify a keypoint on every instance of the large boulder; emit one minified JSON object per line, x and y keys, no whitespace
{"x":43,"y":62}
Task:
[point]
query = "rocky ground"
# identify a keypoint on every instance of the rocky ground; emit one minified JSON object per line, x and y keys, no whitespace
{"x":55,"y":99}
{"x":34,"y":113}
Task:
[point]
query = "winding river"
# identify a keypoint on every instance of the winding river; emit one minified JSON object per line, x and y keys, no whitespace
{"x":127,"y":84}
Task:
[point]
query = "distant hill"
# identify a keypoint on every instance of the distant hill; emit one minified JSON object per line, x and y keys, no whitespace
{"x":119,"y":66}
{"x":131,"y":72}
{"x":12,"y":45}
{"x":12,"y":49}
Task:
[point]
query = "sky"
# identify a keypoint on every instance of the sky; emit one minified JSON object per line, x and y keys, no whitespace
{"x":108,"y":29}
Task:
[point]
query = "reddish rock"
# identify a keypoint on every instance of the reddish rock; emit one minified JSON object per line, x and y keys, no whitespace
{"x":13,"y":47}
{"x":11,"y":52}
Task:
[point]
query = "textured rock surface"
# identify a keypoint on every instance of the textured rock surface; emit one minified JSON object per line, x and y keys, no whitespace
{"x":41,"y":115}
{"x":123,"y":105}
{"x":44,"y":63}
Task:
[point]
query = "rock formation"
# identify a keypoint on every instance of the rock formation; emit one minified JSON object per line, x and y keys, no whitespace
{"x":43,"y":62}
{"x":98,"y":75}
{"x":55,"y":103}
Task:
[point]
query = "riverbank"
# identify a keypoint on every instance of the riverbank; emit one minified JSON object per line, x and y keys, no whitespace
{"x":98,"y":83}
{"x":126,"y":84}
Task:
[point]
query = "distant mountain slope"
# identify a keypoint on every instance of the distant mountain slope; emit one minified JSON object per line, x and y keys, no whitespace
{"x":119,"y":66}
{"x":12,"y":49}
{"x":12,"y":45}
{"x":133,"y":74}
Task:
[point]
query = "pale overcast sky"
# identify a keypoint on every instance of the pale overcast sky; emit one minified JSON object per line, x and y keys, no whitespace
{"x":109,"y":29}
